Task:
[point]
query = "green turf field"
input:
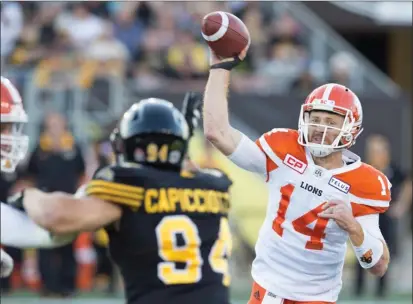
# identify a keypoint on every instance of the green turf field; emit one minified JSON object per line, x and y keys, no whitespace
{"x":27,"y":298}
{"x":118,"y":301}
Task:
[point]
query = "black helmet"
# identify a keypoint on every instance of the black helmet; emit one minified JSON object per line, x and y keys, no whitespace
{"x":152,"y":132}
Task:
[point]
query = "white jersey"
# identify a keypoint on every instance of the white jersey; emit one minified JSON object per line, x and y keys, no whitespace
{"x":19,"y":230}
{"x":300,"y":256}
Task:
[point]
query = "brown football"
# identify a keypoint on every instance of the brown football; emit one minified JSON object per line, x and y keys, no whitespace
{"x":225,"y":33}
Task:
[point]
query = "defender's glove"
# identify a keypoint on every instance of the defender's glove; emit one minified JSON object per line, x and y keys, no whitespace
{"x":116,"y":142}
{"x":6,"y":264}
{"x":191,"y":109}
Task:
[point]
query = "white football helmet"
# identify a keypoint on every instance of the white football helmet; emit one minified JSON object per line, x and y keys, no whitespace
{"x":14,"y":144}
{"x":337,"y":99}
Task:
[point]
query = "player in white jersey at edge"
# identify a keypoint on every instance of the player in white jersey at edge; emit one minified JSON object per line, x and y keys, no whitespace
{"x":320,"y":194}
{"x":17,"y":229}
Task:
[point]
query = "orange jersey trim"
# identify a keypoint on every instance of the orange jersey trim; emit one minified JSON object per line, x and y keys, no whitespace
{"x":271,"y":166}
{"x":283,"y":142}
{"x":361,"y":210}
{"x":367,"y":183}
{"x":369,"y":190}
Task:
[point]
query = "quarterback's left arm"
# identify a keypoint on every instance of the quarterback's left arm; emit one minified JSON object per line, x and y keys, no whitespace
{"x":364,"y":233}
{"x":358,"y":213}
{"x":63,"y":213}
{"x":369,"y":245}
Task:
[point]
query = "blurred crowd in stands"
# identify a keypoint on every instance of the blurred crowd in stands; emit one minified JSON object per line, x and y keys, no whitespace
{"x":152,"y":44}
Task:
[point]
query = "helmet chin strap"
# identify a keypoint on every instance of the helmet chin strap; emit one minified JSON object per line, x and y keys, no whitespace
{"x":323,"y":152}
{"x":320,"y":151}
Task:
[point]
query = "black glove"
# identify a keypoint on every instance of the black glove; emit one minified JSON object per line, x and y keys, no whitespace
{"x":228,"y":64}
{"x":16,"y":200}
{"x":191,"y":109}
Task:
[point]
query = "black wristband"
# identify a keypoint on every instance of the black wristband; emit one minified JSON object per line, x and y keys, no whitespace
{"x":227,"y":65}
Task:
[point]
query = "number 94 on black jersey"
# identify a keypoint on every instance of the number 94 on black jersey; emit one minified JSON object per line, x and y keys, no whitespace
{"x":173,"y":241}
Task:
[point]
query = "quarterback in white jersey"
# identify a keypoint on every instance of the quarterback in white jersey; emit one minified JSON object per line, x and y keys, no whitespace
{"x":17,"y":229}
{"x":320,"y":194}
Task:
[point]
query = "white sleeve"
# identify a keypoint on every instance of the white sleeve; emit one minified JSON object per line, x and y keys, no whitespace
{"x":370,"y":223}
{"x":7,"y":264}
{"x":249,"y":156}
{"x":18,"y":230}
{"x":372,"y":248}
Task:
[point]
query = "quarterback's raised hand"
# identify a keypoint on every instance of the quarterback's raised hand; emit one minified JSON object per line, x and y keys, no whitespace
{"x":216,"y":62}
{"x":191,"y":109}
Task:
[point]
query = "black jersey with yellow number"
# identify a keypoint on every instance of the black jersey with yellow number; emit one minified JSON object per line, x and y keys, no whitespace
{"x":173,"y":241}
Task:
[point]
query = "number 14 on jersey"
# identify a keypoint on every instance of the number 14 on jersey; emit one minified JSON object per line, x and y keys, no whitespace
{"x":300,"y":224}
{"x":316,"y":234}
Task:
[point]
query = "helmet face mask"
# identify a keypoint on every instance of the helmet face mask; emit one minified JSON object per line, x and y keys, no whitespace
{"x":323,"y":138}
{"x":14,"y":144}
{"x":152,"y":132}
{"x":14,"y":147}
{"x":338,"y":124}
{"x":157,"y":150}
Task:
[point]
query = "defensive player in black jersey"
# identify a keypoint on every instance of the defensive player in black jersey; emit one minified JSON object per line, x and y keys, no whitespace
{"x":168,"y":228}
